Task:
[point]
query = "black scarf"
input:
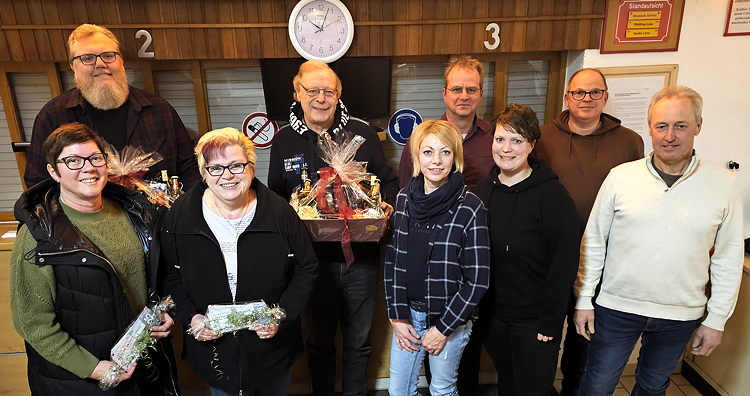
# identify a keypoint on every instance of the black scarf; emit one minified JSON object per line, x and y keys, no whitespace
{"x":297,"y":119}
{"x":423,"y":206}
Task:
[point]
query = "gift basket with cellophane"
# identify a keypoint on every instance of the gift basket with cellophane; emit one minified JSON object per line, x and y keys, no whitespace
{"x":344,"y":204}
{"x":128,"y":167}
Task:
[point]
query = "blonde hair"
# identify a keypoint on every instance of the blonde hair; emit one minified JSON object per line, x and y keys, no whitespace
{"x":313,"y":66}
{"x":464,"y":62}
{"x":679,"y":92}
{"x":211,"y":143}
{"x":446,"y":132}
{"x":87,"y":30}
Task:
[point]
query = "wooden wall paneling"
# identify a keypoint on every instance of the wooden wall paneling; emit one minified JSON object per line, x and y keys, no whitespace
{"x":28,"y":38}
{"x":506,"y":28}
{"x":521,"y":9}
{"x":228,"y":42}
{"x":427,"y":45}
{"x":584,"y":26}
{"x":265,"y":14}
{"x":79,"y":12}
{"x":237,"y":9}
{"x":544,"y":30}
{"x":12,"y":119}
{"x":466,"y":39}
{"x":414,"y":32}
{"x":172,"y":44}
{"x":10,"y":341}
{"x":375,"y":33}
{"x":15,"y":380}
{"x":454,"y":31}
{"x":361,"y":12}
{"x":65,"y":12}
{"x":201,"y":98}
{"x":125,"y":13}
{"x":572,"y":28}
{"x":440,"y":32}
{"x":388,"y":32}
{"x":110,"y":10}
{"x":183,"y":36}
{"x":59,"y":43}
{"x":4,"y":50}
{"x":532,"y":27}
{"x":500,"y":85}
{"x":255,"y":47}
{"x":197,"y":36}
{"x":53,"y":79}
{"x":558,"y":27}
{"x":93,"y":12}
{"x":281,"y":34}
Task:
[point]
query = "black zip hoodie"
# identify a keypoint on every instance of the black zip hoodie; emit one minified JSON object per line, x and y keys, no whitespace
{"x":534,"y":241}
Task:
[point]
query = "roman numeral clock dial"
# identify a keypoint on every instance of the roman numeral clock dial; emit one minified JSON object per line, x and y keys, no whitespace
{"x":321,"y":29}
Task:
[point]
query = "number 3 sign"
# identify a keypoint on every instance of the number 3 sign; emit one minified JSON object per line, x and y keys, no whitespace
{"x":494,"y":28}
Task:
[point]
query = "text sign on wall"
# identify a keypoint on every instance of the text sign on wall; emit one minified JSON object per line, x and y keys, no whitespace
{"x":643,"y":21}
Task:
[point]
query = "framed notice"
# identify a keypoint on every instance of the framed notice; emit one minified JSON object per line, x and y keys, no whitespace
{"x":641,"y":25}
{"x":630,"y":90}
{"x":738,"y":18}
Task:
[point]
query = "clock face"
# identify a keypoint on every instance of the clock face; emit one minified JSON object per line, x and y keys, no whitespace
{"x":321,"y":29}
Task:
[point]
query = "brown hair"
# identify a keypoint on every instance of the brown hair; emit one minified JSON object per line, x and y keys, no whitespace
{"x":66,"y":135}
{"x":87,"y":30}
{"x":465,"y":62}
{"x":446,"y":132}
{"x":211,"y":143}
{"x":313,"y":66}
{"x":522,"y":119}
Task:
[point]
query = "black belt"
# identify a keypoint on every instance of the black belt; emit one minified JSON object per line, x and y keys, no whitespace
{"x":419,"y":306}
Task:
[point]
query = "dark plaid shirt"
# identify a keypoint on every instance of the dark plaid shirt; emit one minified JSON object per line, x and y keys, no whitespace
{"x":152,"y":125}
{"x":458,"y":271}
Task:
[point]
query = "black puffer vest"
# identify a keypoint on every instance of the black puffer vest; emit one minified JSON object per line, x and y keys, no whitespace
{"x":90,"y":303}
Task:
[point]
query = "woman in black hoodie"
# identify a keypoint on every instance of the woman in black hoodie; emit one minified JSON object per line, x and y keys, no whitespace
{"x":534,"y":242}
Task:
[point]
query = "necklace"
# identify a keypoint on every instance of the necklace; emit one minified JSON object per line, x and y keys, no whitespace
{"x":236,"y":229}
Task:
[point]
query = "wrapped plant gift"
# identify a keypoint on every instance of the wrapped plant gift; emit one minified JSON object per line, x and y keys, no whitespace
{"x":228,"y":318}
{"x":134,"y":344}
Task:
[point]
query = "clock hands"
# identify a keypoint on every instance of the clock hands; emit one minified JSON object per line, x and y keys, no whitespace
{"x":322,"y":24}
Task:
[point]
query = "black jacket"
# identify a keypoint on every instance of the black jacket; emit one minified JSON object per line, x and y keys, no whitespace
{"x":90,"y":303}
{"x":275,"y":263}
{"x":534,"y":241}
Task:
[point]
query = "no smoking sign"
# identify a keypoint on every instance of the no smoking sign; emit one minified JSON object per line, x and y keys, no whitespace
{"x":260,"y":129}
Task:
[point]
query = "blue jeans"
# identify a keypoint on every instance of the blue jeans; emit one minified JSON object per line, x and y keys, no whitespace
{"x":405,"y":365}
{"x":662,"y":343}
{"x":343,"y":296}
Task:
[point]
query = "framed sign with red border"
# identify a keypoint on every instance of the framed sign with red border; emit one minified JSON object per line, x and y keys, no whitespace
{"x":641,"y":26}
{"x":738,"y":18}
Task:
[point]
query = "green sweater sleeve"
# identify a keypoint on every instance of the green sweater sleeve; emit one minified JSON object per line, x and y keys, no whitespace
{"x":32,"y":302}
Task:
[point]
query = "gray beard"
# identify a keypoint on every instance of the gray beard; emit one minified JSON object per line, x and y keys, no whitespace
{"x":108,"y":98}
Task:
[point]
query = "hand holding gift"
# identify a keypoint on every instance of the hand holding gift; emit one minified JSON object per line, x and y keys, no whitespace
{"x":228,"y":318}
{"x":134,"y":344}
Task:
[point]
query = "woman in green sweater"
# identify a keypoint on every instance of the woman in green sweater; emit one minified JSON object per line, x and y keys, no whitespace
{"x":81,"y":271}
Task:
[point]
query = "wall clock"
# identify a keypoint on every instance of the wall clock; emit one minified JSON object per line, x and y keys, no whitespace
{"x":321,"y":29}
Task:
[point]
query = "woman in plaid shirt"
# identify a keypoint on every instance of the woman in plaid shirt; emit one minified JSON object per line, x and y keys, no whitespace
{"x":437,"y":264}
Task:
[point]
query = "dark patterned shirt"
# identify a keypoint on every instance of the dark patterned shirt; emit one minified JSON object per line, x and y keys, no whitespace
{"x":152,"y":125}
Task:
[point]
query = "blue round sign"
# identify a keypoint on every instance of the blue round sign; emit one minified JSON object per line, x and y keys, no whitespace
{"x":401,"y":125}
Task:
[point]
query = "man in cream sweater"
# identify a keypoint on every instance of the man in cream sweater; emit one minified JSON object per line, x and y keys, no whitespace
{"x":649,"y":240}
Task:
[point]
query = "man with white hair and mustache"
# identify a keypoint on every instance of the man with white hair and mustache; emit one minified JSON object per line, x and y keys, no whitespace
{"x":123,"y":115}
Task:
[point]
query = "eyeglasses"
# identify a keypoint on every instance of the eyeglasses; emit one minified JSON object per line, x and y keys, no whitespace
{"x":235,"y":168}
{"x":469,"y":90}
{"x":90,"y":59}
{"x":75,"y":162}
{"x":594,"y":94}
{"x":316,"y":91}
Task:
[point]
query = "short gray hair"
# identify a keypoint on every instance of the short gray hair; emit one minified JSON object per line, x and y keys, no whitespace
{"x":679,"y":92}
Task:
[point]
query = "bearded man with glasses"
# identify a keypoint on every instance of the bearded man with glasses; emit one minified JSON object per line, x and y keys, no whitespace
{"x":581,"y":145}
{"x":119,"y":113}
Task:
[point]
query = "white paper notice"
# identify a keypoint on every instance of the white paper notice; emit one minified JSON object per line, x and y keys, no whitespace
{"x":628,"y":100}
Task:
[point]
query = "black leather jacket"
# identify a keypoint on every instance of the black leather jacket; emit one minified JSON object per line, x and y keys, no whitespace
{"x":90,"y":303}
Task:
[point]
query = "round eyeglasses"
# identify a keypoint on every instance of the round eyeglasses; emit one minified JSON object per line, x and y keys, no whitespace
{"x":594,"y":94}
{"x":75,"y":162}
{"x":90,"y":59}
{"x":316,"y":91}
{"x":235,"y":168}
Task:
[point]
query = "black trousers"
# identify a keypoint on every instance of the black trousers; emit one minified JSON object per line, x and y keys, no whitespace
{"x":573,"y":362}
{"x":343,"y":296}
{"x":525,"y":366}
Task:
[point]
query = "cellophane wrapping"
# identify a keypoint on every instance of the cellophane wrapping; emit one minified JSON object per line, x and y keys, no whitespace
{"x":127,"y":168}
